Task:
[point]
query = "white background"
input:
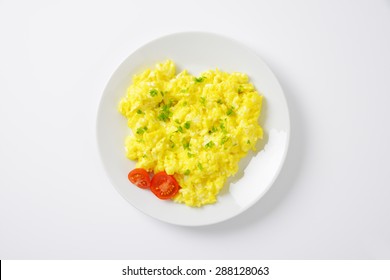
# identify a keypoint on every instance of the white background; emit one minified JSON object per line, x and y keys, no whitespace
{"x":331,"y":199}
{"x":113,"y":269}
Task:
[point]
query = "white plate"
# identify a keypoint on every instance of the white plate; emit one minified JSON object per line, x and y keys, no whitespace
{"x":197,"y":52}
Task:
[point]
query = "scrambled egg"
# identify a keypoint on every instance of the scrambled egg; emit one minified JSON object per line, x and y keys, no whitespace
{"x":196,"y":128}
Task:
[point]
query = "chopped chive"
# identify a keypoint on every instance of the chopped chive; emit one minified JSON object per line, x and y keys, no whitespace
{"x":139,"y":112}
{"x":172,"y":144}
{"x":219,"y":101}
{"x":162,"y":93}
{"x":187,"y":172}
{"x":224,"y":140}
{"x":203,"y":100}
{"x":213,"y":129}
{"x":200,"y":79}
{"x":141,"y":130}
{"x":187,"y":124}
{"x":230,"y":111}
{"x":248,"y":142}
{"x":153,"y":92}
{"x":180,"y":129}
{"x":210,"y":144}
{"x":200,"y":166}
{"x":165,"y":113}
{"x":163,"y":117}
{"x":186,"y":145}
{"x":190,"y":155}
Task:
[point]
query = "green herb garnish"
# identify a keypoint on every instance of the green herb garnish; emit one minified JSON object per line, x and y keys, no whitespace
{"x":230,"y":111}
{"x":165,"y":113}
{"x":214,"y":129}
{"x":223,"y":128}
{"x":153,"y":92}
{"x":200,"y":79}
{"x":141,"y":130}
{"x":224,"y":140}
{"x":187,"y":124}
{"x":163,"y":116}
{"x":187,"y":172}
{"x":210,"y":144}
{"x":186,"y":145}
{"x":200,"y":166}
{"x":139,"y":111}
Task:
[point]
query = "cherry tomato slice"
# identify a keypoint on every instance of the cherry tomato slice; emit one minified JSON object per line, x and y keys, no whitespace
{"x":164,"y":186}
{"x":140,"y":178}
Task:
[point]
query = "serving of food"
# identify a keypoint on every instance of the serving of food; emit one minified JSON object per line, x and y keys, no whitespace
{"x":192,"y":128}
{"x":189,"y":132}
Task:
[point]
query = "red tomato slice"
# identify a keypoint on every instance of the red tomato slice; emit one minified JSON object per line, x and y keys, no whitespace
{"x":140,"y":178}
{"x":164,"y":186}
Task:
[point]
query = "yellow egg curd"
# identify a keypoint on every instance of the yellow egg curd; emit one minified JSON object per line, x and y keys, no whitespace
{"x":194,"y":128}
